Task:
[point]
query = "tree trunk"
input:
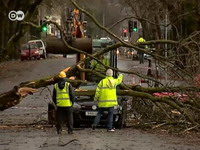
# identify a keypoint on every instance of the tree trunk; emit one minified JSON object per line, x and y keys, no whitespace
{"x":56,"y":46}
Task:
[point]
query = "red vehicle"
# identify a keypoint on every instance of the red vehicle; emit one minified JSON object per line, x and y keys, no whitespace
{"x":29,"y":51}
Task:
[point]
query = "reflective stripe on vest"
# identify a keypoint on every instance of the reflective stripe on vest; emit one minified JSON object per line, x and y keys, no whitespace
{"x":106,"y":88}
{"x":62,"y":96}
{"x":108,"y":96}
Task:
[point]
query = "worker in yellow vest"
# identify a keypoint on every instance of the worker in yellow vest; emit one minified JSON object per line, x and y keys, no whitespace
{"x":107,"y":98}
{"x":99,"y":67}
{"x":63,"y":98}
{"x":141,"y":54}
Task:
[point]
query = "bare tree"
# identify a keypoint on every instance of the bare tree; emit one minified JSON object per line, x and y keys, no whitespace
{"x":175,"y":109}
{"x":12,"y":31}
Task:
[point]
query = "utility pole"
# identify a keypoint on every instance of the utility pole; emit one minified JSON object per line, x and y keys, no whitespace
{"x":103,"y":18}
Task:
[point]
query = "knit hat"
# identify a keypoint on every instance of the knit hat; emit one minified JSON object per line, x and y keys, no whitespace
{"x":109,"y":72}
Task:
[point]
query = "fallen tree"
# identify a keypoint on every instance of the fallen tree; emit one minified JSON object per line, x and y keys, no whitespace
{"x":186,"y":111}
{"x":15,"y":95}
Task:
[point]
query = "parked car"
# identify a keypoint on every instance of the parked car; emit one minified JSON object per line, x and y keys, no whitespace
{"x":41,"y":46}
{"x":29,"y":51}
{"x":147,"y":56}
{"x":85,"y":109}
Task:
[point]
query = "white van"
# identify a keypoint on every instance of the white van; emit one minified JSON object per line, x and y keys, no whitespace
{"x":41,"y":46}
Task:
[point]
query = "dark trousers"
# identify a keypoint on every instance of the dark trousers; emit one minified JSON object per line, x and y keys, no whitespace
{"x":64,"y":115}
{"x":109,"y":119}
{"x":141,"y":57}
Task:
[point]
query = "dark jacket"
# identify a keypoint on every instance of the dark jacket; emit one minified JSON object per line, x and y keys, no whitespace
{"x":61,"y":85}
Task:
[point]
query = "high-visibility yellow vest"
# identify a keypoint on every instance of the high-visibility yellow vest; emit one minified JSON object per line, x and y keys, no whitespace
{"x":141,"y":40}
{"x":99,"y":67}
{"x":62,"y":96}
{"x":106,"y":91}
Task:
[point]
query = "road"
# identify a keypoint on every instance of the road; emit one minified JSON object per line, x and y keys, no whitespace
{"x":23,"y":126}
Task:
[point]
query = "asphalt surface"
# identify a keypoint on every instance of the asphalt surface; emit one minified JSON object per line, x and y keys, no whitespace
{"x":24,"y":125}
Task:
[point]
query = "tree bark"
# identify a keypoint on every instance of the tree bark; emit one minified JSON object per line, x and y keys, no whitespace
{"x":57,"y":46}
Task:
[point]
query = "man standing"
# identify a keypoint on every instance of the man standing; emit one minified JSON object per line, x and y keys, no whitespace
{"x":107,"y":98}
{"x":99,"y":67}
{"x":141,"y":54}
{"x":63,"y":97}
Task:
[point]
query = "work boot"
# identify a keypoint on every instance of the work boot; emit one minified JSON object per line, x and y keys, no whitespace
{"x":70,"y":132}
{"x":110,"y":130}
{"x":93,"y":127}
{"x":59,"y":131}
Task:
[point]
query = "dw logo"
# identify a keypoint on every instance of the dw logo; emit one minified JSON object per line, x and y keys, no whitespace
{"x":13,"y":15}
